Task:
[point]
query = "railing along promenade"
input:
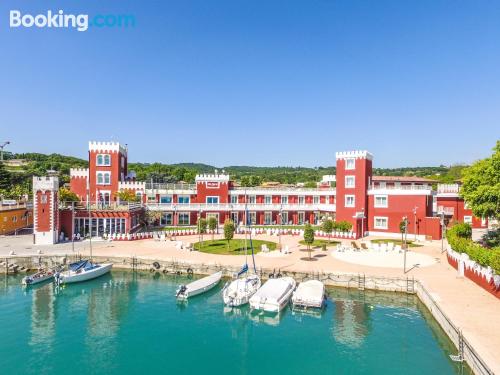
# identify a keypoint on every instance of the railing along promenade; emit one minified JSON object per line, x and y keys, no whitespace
{"x":239,"y":207}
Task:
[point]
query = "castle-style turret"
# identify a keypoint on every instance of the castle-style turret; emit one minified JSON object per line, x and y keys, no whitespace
{"x":354,"y":172}
{"x":45,"y":210}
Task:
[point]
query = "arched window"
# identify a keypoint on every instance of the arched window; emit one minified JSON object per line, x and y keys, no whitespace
{"x":107,"y":160}
{"x":99,"y":178}
{"x":100,"y":160}
{"x":107,"y":178}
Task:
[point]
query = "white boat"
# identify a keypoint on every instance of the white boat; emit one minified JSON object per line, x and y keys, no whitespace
{"x":198,"y":286}
{"x":273,"y":295}
{"x":239,"y":291}
{"x":309,"y":294}
{"x":40,"y":276}
{"x":82,"y":271}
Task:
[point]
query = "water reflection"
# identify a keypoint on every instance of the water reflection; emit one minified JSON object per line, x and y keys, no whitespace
{"x":352,"y":322}
{"x":43,"y":317}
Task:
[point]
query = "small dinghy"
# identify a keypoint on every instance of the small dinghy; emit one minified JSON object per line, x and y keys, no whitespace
{"x":309,"y":294}
{"x":198,"y":286}
{"x":273,"y":295}
{"x":82,"y":271}
{"x":238,"y":292}
{"x":39,"y":277}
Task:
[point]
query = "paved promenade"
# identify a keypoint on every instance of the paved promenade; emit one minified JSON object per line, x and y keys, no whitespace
{"x":471,"y":308}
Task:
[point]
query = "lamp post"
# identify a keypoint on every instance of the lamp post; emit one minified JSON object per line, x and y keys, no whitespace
{"x":441,"y":214}
{"x":362,"y":223}
{"x":2,"y":146}
{"x":415,"y":221}
{"x":281,"y":223}
{"x":405,"y":245}
{"x":175,"y":222}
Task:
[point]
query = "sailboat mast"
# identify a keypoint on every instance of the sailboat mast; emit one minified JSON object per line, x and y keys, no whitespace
{"x":90,"y":216}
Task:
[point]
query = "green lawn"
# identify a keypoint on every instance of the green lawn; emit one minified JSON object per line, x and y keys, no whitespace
{"x":319,"y":243}
{"x":396,"y":242}
{"x":236,"y":246}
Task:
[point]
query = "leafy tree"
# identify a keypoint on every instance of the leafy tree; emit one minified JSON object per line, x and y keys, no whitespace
{"x":202,"y":227}
{"x":481,"y":186}
{"x":327,"y":227}
{"x":126,"y":196}
{"x":66,"y":195}
{"x":309,"y":237}
{"x":342,"y":226}
{"x":4,"y":178}
{"x":229,"y":229}
{"x":212,"y":225}
{"x":402,"y":228}
{"x":16,"y":192}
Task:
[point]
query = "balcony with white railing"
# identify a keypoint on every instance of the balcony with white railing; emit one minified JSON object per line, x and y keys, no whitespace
{"x":206,"y":207}
{"x":448,"y":211}
{"x":289,"y":190}
{"x":397,"y":189}
{"x":448,"y":188}
{"x":103,"y":206}
{"x":179,"y":188}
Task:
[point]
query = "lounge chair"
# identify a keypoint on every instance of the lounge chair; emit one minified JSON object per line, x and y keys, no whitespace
{"x":363,"y":246}
{"x":355,"y":245}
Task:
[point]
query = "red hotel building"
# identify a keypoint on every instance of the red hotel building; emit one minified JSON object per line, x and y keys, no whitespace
{"x":375,"y":205}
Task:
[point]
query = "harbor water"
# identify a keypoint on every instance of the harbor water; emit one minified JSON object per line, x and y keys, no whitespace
{"x":131,"y":323}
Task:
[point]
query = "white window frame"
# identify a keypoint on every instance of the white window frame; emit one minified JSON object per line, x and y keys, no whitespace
{"x":349,"y":178}
{"x":350,"y":167}
{"x":302,"y":199}
{"x":268,"y":197}
{"x":104,"y":163}
{"x":284,"y":218}
{"x":353,"y":200}
{"x":268,"y":215}
{"x":284,"y":199}
{"x":212,"y":197}
{"x":375,"y":226}
{"x":315,"y":199}
{"x":377,"y":205}
{"x":103,"y":175}
{"x":183,"y":214}
{"x":184,"y":196}
{"x":468,"y":219}
{"x":234,"y":199}
{"x":252,"y":199}
{"x":299,"y":215}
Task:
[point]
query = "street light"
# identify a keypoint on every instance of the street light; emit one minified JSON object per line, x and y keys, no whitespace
{"x":362,"y":223}
{"x":415,"y":221}
{"x":405,"y":245}
{"x":441,"y":214}
{"x":2,"y":146}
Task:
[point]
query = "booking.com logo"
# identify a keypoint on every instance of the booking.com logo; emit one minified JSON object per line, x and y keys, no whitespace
{"x":80,"y":22}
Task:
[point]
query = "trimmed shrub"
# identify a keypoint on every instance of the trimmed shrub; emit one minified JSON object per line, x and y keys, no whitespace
{"x":459,"y":239}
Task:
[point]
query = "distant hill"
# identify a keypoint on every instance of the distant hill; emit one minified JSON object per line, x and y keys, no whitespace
{"x":38,"y":164}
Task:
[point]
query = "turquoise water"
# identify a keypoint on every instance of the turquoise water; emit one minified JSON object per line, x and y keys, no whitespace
{"x":131,"y":324}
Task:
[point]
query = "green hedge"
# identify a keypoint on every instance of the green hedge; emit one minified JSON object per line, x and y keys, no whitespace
{"x":459,"y":239}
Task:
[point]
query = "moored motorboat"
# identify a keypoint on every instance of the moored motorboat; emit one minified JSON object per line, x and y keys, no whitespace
{"x":309,"y":294}
{"x":199,"y":286}
{"x":274,"y":295}
{"x":238,"y":292}
{"x":82,"y":271}
{"x":39,"y":277}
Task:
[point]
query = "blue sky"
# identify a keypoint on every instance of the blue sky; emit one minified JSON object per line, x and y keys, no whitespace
{"x":258,"y":82}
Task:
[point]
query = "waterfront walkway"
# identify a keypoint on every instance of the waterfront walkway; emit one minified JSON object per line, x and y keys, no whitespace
{"x":471,"y":308}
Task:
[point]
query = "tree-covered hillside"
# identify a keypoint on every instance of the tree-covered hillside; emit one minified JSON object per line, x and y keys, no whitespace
{"x":17,"y":178}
